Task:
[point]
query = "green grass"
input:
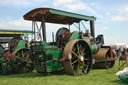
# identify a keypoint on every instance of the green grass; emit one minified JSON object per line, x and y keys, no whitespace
{"x":95,"y":77}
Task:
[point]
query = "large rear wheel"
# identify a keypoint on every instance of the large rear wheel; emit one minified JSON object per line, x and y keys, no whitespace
{"x":79,"y":57}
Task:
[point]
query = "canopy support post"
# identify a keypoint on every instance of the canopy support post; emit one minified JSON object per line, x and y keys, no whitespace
{"x":79,"y":26}
{"x":69,"y":26}
{"x":92,"y":28}
{"x":34,"y":31}
{"x":43,"y":29}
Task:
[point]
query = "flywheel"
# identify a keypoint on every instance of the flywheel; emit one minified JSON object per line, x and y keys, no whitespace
{"x":79,"y":56}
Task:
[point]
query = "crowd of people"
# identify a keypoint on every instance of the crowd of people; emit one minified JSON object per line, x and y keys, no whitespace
{"x":121,"y":52}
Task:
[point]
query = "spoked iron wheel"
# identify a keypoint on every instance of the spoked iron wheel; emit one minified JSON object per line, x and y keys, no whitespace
{"x":79,"y":58}
{"x":23,"y":61}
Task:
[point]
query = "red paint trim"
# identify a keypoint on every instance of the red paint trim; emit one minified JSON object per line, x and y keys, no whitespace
{"x":63,"y":59}
{"x":54,"y":59}
{"x":111,"y":50}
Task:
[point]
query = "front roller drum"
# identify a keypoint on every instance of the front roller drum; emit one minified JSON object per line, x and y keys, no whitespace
{"x":23,"y":61}
{"x":79,"y":57}
{"x":102,"y":61}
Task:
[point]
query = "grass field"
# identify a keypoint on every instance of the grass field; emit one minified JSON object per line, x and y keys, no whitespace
{"x":95,"y":77}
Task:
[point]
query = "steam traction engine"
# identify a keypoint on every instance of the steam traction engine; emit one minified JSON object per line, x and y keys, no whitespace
{"x":75,"y":52}
{"x":15,"y":56}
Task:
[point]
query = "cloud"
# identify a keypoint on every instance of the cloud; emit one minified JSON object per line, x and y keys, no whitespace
{"x":61,"y":2}
{"x":21,"y":3}
{"x":114,"y":39}
{"x":103,"y":28}
{"x":78,"y":5}
{"x":122,"y":14}
{"x":71,"y":5}
{"x":118,"y":18}
{"x":15,"y":2}
{"x":20,"y":23}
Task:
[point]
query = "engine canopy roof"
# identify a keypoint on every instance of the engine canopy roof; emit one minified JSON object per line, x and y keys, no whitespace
{"x":56,"y":16}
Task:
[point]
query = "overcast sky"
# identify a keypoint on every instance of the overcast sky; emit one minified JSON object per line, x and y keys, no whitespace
{"x":112,"y":15}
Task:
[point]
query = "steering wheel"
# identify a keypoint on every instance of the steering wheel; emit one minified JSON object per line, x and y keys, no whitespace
{"x":66,"y":35}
